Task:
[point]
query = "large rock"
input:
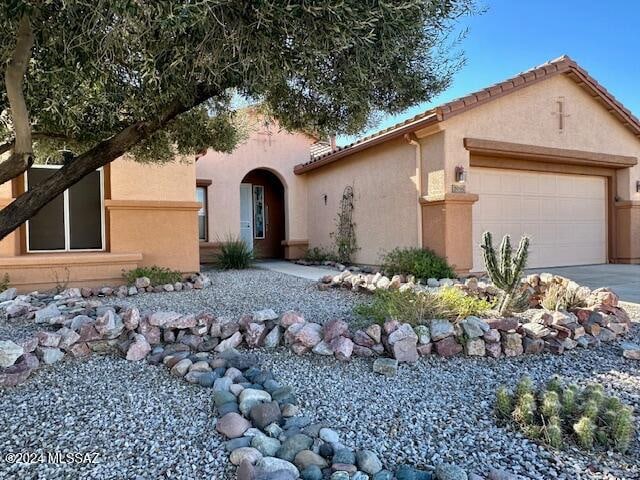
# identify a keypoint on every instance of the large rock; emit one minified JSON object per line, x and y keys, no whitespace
{"x":265,"y":414}
{"x":67,"y":338}
{"x":182,"y":322}
{"x":241,"y":454}
{"x":504,"y":324}
{"x":342,"y":348}
{"x":309,"y":335}
{"x":403,"y":332}
{"x":448,"y":347}
{"x":109,"y":325}
{"x":423,"y":333}
{"x":475,"y":347}
{"x":375,"y":332}
{"x":49,"y":339}
{"x":360,"y":337}
{"x":232,"y":425}
{"x":266,"y":445}
{"x":630,"y":350}
{"x":293,"y":445}
{"x":272,"y":339}
{"x":9,"y":352}
{"x":368,"y":462}
{"x":139,"y":348}
{"x":405,"y":350}
{"x":230,"y":343}
{"x":307,"y":458}
{"x":323,"y":348}
{"x":14,"y":375}
{"x":249,"y":397}
{"x":532,"y":345}
{"x":272,"y":465}
{"x":334,"y":329}
{"x":161,"y":319}
{"x":474,"y":327}
{"x":386,"y":366}
{"x":49,"y":355}
{"x":512,"y":344}
{"x":441,"y":329}
{"x":289,"y":318}
{"x":45,"y":315}
{"x":255,"y":334}
{"x":8,"y":294}
{"x":535,"y":330}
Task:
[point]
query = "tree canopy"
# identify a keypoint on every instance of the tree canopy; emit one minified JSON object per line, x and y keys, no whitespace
{"x":158,"y":78}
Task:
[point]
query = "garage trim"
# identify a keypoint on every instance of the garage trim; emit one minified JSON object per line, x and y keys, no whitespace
{"x":577,"y":167}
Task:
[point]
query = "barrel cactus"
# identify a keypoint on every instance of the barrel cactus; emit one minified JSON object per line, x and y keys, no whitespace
{"x":505,"y":270}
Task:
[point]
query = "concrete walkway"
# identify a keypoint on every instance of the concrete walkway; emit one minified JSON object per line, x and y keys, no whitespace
{"x":302,"y":271}
{"x":622,"y":279}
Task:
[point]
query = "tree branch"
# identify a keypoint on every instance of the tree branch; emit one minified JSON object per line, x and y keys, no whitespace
{"x":30,"y":202}
{"x":22,"y":156}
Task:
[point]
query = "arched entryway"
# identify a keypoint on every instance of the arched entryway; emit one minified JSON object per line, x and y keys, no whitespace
{"x":262,"y":213}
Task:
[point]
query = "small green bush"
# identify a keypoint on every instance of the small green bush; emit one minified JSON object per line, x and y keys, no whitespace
{"x":418,"y":308}
{"x":234,"y":254}
{"x":422,"y":263}
{"x":558,"y":413}
{"x":5,"y":282}
{"x":157,"y":275}
{"x":318,"y":254}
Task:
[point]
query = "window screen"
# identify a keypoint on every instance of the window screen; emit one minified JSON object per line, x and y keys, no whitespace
{"x":85,"y":219}
{"x":46,"y":228}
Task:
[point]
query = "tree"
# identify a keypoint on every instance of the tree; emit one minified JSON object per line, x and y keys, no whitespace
{"x":156,"y":79}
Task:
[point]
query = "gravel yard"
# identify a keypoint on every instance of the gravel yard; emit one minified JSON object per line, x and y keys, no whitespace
{"x":144,"y":423}
{"x":236,"y":292}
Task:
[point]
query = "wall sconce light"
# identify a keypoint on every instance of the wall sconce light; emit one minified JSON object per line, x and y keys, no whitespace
{"x":324,"y":197}
{"x":461,"y":174}
{"x":637,"y":186}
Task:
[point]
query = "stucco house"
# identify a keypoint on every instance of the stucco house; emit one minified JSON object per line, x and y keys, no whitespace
{"x":549,"y":153}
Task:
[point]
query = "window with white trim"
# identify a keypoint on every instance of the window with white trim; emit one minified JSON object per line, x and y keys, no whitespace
{"x":201,"y":196}
{"x":73,"y":220}
{"x":259,"y":214}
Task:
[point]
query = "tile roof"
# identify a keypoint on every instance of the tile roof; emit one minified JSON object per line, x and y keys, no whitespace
{"x":560,"y":65}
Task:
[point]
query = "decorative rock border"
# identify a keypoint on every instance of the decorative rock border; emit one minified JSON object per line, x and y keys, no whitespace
{"x":267,"y":436}
{"x":29,"y":304}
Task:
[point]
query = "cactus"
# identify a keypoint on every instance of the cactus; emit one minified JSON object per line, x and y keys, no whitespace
{"x":622,"y":429}
{"x":585,"y":432}
{"x":505,"y":272}
{"x":554,"y":433}
{"x":550,"y":404}
{"x":503,"y":403}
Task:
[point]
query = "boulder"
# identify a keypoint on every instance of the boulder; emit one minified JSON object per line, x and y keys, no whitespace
{"x":532,"y":345}
{"x":493,"y":349}
{"x":14,"y":375}
{"x":271,"y":466}
{"x":423,"y":333}
{"x":386,"y":366}
{"x":45,"y":315}
{"x":232,"y":425}
{"x":342,"y":348}
{"x":403,"y":332}
{"x":230,"y":343}
{"x":182,"y":322}
{"x":360,"y":337}
{"x":323,"y":348}
{"x":308,"y":335}
{"x":49,"y":355}
{"x":67,"y":338}
{"x":109,"y":325}
{"x":289,"y":318}
{"x":630,"y":350}
{"x":255,"y":334}
{"x":248,"y":454}
{"x":375,"y":332}
{"x":447,"y":347}
{"x":368,"y":462}
{"x":273,"y":338}
{"x":405,"y":350}
{"x":266,"y":445}
{"x":334,"y":329}
{"x":49,"y":339}
{"x":512,"y":344}
{"x":535,"y":330}
{"x":160,"y":319}
{"x":475,"y":347}
{"x":9,"y":352}
{"x":138,"y":349}
{"x":142,"y":282}
{"x":294,"y":445}
{"x":264,"y":315}
{"x":265,"y":414}
{"x":8,"y":294}
{"x":441,"y":329}
{"x":474,"y":327}
{"x":491,"y":336}
{"x":449,"y":471}
{"x":504,"y":324}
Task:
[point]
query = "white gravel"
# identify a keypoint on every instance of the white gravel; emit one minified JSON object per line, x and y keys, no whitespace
{"x":236,"y":292}
{"x":142,"y":422}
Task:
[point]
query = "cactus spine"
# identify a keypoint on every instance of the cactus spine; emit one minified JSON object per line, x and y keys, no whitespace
{"x":505,"y":272}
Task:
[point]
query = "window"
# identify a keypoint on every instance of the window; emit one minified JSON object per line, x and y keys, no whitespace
{"x":73,"y":220}
{"x":201,"y":196}
{"x":259,"y":217}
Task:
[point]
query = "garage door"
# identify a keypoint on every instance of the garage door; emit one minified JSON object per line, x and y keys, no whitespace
{"x":565,"y":215}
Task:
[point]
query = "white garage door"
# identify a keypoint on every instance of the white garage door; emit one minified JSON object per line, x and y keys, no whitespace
{"x":565,"y":215}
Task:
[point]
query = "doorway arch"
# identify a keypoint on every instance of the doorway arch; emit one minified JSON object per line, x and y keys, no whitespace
{"x":262,"y":213}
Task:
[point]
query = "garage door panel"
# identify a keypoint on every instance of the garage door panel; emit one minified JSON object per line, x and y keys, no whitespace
{"x":564,"y":215}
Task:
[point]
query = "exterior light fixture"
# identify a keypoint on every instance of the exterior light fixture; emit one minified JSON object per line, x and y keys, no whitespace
{"x":461,"y":174}
{"x":637,"y":186}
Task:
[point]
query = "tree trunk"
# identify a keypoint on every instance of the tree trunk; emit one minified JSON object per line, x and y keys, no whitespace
{"x":29,"y":203}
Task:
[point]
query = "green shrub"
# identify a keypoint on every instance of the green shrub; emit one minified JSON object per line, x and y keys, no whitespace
{"x":5,"y":282}
{"x":418,"y":308}
{"x":588,"y":416}
{"x":462,"y":304}
{"x":157,"y":275}
{"x":422,"y":263}
{"x":234,"y":254}
{"x":318,"y":254}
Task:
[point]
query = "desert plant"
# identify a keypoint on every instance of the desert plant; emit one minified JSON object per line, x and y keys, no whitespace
{"x":564,"y":296}
{"x":318,"y":254}
{"x":156,"y":275}
{"x":506,"y":271}
{"x":420,"y":262}
{"x":5,"y":282}
{"x":588,"y":416}
{"x":345,"y":235}
{"x":234,"y":254}
{"x":418,"y":308}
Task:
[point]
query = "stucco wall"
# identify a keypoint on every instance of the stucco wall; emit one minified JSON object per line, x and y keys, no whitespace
{"x":526,"y":116}
{"x":269,"y":148}
{"x":385,"y":203}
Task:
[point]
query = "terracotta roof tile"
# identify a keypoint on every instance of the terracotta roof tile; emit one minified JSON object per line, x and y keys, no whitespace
{"x":560,"y":65}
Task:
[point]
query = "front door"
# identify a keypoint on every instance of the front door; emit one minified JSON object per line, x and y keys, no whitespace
{"x":246,"y":214}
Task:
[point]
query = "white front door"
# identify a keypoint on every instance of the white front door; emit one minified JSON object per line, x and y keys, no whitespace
{"x":565,"y":215}
{"x":246,"y":214}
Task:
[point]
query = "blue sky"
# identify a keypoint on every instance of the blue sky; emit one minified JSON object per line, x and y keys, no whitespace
{"x":513,"y":36}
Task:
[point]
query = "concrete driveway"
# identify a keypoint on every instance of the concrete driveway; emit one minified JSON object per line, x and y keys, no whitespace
{"x":622,"y":279}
